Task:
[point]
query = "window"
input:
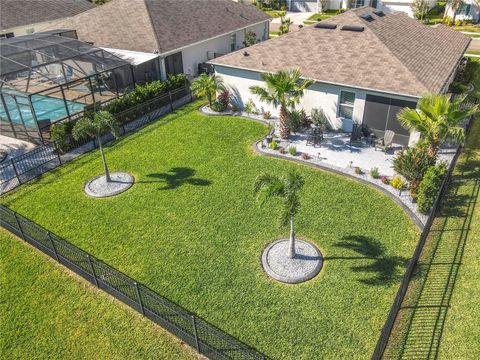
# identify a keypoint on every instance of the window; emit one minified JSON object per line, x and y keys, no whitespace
{"x":463,"y":9}
{"x":233,"y":42}
{"x":6,"y":35}
{"x":347,"y":100}
{"x":356,"y":3}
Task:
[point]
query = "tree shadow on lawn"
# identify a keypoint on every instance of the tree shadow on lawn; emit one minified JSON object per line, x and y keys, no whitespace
{"x":384,"y":268}
{"x":176,"y":177}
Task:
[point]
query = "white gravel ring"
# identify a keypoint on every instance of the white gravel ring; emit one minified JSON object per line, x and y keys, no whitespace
{"x":306,"y":264}
{"x":99,"y":187}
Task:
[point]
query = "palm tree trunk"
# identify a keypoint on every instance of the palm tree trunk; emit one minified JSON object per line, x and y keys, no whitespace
{"x":291,"y":245}
{"x":284,"y":129}
{"x":100,"y":147}
{"x":209,"y":97}
{"x":433,"y":149}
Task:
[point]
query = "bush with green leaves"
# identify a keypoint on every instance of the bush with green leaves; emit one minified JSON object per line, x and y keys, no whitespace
{"x":319,"y":118}
{"x":217,"y":106}
{"x":429,"y":187}
{"x":374,"y":173}
{"x":61,"y":135}
{"x":412,"y":164}
{"x":294,"y":120}
{"x":458,"y":88}
{"x":398,"y":183}
{"x":250,"y":107}
{"x":292,"y":150}
{"x":273,"y":145}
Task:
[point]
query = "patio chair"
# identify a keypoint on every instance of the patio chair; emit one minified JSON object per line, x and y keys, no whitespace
{"x":356,"y":136}
{"x":314,"y":137}
{"x":386,"y":142}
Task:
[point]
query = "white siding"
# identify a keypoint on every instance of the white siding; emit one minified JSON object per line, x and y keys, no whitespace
{"x":473,"y":15}
{"x":319,"y":95}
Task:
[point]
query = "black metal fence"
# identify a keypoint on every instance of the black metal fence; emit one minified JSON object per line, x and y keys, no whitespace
{"x":47,"y":157}
{"x":198,"y":333}
{"x":397,"y":303}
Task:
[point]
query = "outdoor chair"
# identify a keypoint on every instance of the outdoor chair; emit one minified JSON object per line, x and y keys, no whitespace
{"x":386,"y":142}
{"x":314,"y":137}
{"x":356,"y":136}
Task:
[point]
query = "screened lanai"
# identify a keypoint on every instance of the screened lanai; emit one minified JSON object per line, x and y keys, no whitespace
{"x":49,"y":76}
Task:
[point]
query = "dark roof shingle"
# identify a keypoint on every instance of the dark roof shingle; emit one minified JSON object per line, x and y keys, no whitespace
{"x":161,"y":25}
{"x":14,"y":13}
{"x":394,"y":53}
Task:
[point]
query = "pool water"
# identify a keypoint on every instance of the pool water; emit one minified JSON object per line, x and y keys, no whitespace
{"x":46,"y":108}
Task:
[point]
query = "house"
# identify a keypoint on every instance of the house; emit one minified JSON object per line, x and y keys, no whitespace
{"x":384,"y":5}
{"x":185,"y":34}
{"x":467,"y":10}
{"x":367,"y":65}
{"x":20,"y":17}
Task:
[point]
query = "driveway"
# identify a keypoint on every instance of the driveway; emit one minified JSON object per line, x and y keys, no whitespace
{"x":297,"y":17}
{"x":474,"y":44}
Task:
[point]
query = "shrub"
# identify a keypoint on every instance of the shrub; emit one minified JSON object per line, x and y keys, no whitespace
{"x":374,"y":173}
{"x":398,"y":183}
{"x":294,"y":120}
{"x":305,"y":156}
{"x":266,"y":115}
{"x":358,"y":171}
{"x":250,"y":107}
{"x":273,"y":145}
{"x":412,"y":164}
{"x":340,"y":11}
{"x":224,"y":98}
{"x":319,"y":118}
{"x":292,"y":150}
{"x":385,"y":180}
{"x":217,"y":106}
{"x":429,"y":187}
{"x":305,"y":119}
{"x":282,"y":150}
{"x":61,"y":135}
{"x":457,"y":88}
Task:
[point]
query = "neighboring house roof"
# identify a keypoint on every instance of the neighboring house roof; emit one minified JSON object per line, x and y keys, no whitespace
{"x":394,"y":53}
{"x":161,"y":25}
{"x":14,"y":13}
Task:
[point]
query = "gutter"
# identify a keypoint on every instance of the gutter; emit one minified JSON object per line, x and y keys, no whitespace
{"x":447,"y":83}
{"x":211,"y":38}
{"x":325,"y":82}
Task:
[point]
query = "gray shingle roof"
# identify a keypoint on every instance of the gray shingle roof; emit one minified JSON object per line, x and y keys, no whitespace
{"x":163,"y":25}
{"x":15,"y":13}
{"x":393,"y":54}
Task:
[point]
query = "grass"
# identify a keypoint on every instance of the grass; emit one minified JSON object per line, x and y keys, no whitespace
{"x":439,"y":317}
{"x":191,"y":230}
{"x":276,"y":13}
{"x":53,"y":314}
{"x":319,"y":17}
{"x":468,"y":28}
{"x":472,"y":52}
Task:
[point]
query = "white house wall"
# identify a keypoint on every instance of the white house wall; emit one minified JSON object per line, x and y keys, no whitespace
{"x":319,"y":95}
{"x":473,"y":15}
{"x":197,"y":54}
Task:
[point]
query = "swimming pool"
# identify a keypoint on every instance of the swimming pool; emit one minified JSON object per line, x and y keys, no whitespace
{"x":46,"y":108}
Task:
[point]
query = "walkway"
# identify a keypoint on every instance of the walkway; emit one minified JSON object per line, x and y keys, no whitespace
{"x":434,"y":292}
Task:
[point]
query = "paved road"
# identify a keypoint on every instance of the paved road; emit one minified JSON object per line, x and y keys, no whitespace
{"x":296,"y":17}
{"x":474,"y":44}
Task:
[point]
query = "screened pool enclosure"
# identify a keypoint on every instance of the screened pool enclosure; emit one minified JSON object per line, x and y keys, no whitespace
{"x":50,"y":76}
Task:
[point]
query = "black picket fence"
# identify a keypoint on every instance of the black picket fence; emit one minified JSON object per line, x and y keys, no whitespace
{"x":400,"y":296}
{"x":198,"y":333}
{"x":47,"y":157}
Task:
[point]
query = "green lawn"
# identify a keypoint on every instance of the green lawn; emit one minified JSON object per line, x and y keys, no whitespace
{"x":275,"y":13}
{"x":439,"y":317}
{"x":322,"y":16}
{"x":49,"y":313}
{"x":191,"y":230}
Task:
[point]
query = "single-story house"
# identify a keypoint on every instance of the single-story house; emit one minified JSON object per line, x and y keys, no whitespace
{"x":384,"y":5}
{"x":467,"y":10}
{"x":367,"y":65}
{"x":21,"y":17}
{"x":185,"y":34}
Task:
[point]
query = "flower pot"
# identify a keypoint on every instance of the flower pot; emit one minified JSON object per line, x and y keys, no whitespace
{"x":269,"y":139}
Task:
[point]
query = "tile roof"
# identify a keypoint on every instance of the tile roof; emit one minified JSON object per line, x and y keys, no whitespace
{"x":15,"y":13}
{"x":393,"y":53}
{"x":161,"y":25}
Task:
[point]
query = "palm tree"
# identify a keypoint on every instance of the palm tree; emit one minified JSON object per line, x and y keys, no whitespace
{"x":267,"y":186}
{"x":207,"y":85}
{"x":437,"y":119}
{"x":94,"y":127}
{"x":284,"y":89}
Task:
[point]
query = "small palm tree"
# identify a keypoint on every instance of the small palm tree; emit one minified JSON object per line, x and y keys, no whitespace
{"x":284,"y":89}
{"x":94,"y":127}
{"x":288,"y":188}
{"x":207,"y":85}
{"x":437,"y":119}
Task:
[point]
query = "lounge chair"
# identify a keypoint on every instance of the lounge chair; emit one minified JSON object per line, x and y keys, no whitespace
{"x":314,"y":137}
{"x":356,"y":136}
{"x":386,"y":142}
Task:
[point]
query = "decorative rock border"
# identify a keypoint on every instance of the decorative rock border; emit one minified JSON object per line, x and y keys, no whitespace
{"x":98,"y":187}
{"x":304,"y":266}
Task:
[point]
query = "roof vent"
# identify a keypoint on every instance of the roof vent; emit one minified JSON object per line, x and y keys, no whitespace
{"x":379,"y":13}
{"x":324,"y":25}
{"x":367,"y":17}
{"x":355,"y":28}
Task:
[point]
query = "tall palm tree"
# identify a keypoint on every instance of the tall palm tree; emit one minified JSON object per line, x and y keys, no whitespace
{"x":437,"y":119}
{"x":207,"y":85}
{"x":267,"y":186}
{"x":284,"y":89}
{"x":94,"y":127}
